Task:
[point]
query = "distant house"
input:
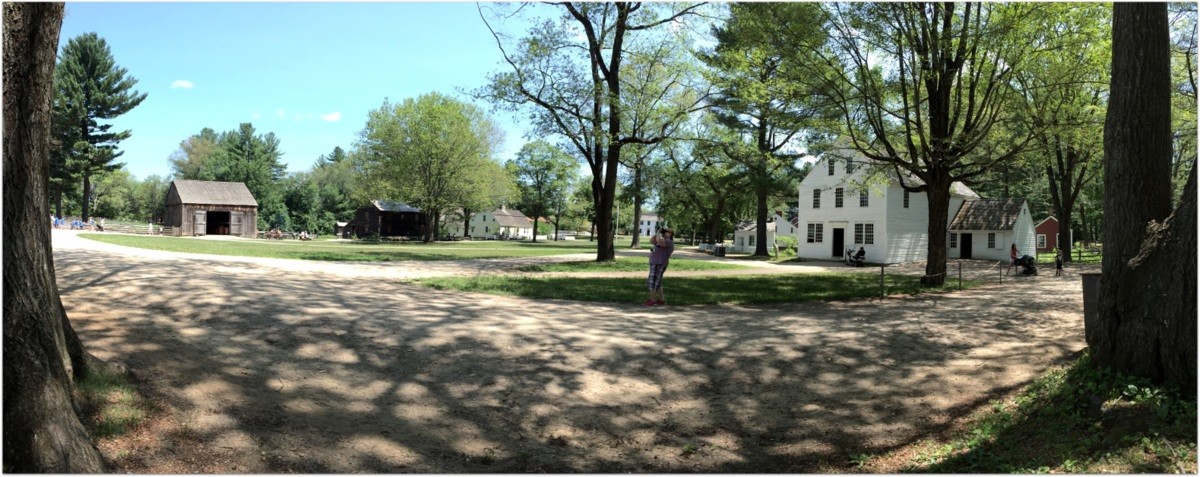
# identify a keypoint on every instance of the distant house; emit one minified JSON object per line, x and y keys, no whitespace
{"x":338,"y":228}
{"x":986,"y":228}
{"x":845,"y":203}
{"x":745,"y":233}
{"x":648,"y":224}
{"x":1047,"y":234}
{"x":211,"y":208}
{"x":502,"y":224}
{"x":384,"y":218}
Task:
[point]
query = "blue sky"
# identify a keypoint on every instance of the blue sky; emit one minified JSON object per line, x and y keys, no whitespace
{"x":309,"y":72}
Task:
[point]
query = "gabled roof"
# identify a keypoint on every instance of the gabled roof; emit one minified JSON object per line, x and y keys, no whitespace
{"x":511,"y":218}
{"x":845,"y":152}
{"x":988,"y":214}
{"x":649,"y":216}
{"x":751,"y":224}
{"x":213,"y":193}
{"x":1039,"y":224}
{"x":393,"y":206}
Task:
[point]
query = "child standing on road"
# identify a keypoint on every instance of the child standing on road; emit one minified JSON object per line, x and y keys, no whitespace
{"x":1058,"y":259}
{"x":661,"y":246}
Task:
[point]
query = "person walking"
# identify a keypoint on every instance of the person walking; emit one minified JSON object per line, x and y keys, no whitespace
{"x":661,"y":247}
{"x":1012,"y":258}
{"x":1058,"y":261}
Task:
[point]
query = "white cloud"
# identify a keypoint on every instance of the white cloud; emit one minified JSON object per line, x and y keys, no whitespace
{"x":279,"y":113}
{"x":256,"y":115}
{"x":332,"y":117}
{"x":185,"y":84}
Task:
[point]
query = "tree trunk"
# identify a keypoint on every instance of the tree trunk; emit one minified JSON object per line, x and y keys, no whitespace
{"x":760,"y":248}
{"x":637,"y":206}
{"x":1146,"y":324}
{"x":42,"y":432}
{"x":87,"y":197}
{"x":939,"y":209}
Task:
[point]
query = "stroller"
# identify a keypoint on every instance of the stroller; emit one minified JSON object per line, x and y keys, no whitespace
{"x":852,"y":259}
{"x":1026,"y":264}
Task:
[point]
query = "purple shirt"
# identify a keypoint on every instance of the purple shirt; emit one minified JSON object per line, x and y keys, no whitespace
{"x":662,"y":252}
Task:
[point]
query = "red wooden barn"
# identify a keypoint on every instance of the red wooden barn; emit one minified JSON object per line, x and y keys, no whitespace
{"x":1047,"y":234}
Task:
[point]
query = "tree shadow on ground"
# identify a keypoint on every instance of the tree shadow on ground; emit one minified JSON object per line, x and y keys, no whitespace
{"x":304,"y":372}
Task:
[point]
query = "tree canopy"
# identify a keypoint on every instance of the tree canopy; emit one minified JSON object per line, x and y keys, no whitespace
{"x":89,"y":88}
{"x":427,"y":151}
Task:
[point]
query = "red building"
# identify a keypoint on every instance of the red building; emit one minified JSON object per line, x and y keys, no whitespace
{"x":1047,"y":234}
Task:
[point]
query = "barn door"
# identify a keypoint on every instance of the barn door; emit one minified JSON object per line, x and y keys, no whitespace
{"x":235,"y":223}
{"x":200,"y":225}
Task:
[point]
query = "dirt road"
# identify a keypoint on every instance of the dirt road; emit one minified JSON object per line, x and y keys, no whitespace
{"x":272,"y":366}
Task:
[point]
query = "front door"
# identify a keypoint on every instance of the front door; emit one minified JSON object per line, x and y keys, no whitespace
{"x":235,"y":223}
{"x":965,"y":243}
{"x":839,"y":242}
{"x":200,"y":223}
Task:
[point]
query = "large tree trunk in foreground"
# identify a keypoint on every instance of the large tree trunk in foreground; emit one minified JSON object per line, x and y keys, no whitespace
{"x":42,"y":355}
{"x":1147,"y":309}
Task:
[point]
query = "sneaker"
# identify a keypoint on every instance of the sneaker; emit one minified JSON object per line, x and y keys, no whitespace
{"x":660,"y":303}
{"x":648,"y":303}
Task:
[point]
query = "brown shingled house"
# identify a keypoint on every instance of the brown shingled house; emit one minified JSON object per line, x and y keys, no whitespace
{"x":385,"y":218}
{"x":211,"y":208}
{"x":986,"y":228}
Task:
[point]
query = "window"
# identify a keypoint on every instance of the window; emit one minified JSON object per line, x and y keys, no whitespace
{"x":741,"y":242}
{"x":1041,"y":238}
{"x":816,"y":198}
{"x":905,"y":199}
{"x":752,"y":237}
{"x":849,"y":167}
{"x":991,"y":240}
{"x":831,"y":167}
{"x":837,"y":197}
{"x":485,"y":229}
{"x":863,"y":200}
{"x":953,"y":240}
{"x":864,"y":234}
{"x":815,"y":232}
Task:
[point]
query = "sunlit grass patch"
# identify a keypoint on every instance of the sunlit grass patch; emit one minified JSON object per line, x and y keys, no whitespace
{"x":1076,"y":418}
{"x":626,"y":264}
{"x":742,"y":289}
{"x":354,"y":251}
{"x":112,"y":404}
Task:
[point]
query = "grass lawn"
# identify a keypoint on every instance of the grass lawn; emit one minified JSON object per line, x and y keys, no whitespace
{"x":626,"y":264}
{"x":348,"y":250}
{"x":1077,"y":418}
{"x":742,"y":289}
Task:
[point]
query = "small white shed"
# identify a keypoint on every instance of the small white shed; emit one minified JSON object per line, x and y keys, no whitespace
{"x":986,"y":228}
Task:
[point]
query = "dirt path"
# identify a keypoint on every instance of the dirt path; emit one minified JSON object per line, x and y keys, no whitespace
{"x":272,"y":366}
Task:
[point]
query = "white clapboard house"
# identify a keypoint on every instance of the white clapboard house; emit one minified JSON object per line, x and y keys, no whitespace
{"x":847,"y":203}
{"x":745,"y":233}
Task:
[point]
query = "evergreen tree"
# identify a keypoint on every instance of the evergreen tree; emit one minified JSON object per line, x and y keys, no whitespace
{"x":89,"y":88}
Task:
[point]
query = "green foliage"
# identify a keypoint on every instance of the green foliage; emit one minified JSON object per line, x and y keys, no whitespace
{"x":89,"y":88}
{"x":543,"y":173}
{"x":431,"y":152}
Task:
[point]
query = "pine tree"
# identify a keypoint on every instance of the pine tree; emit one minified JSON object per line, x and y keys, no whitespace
{"x":90,"y":87}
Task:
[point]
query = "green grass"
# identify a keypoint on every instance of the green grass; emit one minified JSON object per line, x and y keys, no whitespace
{"x":1076,"y":418}
{"x":112,"y":405}
{"x":348,"y":250}
{"x":741,"y":289}
{"x":626,"y":264}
